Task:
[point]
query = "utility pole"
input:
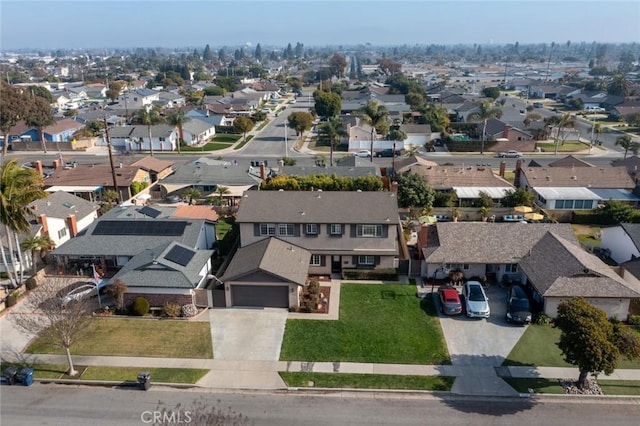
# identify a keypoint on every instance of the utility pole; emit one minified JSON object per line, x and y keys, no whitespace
{"x":286,"y":149}
{"x":113,"y":169}
{"x":371,"y":152}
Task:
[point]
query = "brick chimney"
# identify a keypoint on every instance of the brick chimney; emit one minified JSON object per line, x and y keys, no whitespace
{"x":518,"y":172}
{"x":394,"y":187}
{"x":263,"y":173}
{"x":422,"y":239}
{"x":505,"y":131}
{"x":503,"y":168}
{"x":72,"y":225}
{"x":43,"y":221}
{"x":38,"y":165}
{"x":56,"y":164}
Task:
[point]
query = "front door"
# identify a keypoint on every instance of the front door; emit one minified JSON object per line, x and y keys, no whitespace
{"x":336,"y":264}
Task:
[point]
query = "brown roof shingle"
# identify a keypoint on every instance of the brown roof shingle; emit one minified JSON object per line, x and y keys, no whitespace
{"x":575,"y":177}
{"x":446,"y":177}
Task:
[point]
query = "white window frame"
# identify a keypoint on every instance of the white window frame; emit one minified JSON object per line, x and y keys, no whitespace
{"x":336,"y":229}
{"x":367,"y":260}
{"x":316,"y":260}
{"x":286,"y":229}
{"x":369,"y":231}
{"x":267,"y":229}
{"x":311,"y":229}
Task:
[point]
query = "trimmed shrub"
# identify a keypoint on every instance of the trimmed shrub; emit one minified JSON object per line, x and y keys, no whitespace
{"x":140,"y":306}
{"x":542,"y":319}
{"x":370,"y":274}
{"x":634,"y":320}
{"x":12,"y":299}
{"x":313,"y":287}
{"x":171,"y":310}
{"x":189,"y":310}
{"x":31,"y":283}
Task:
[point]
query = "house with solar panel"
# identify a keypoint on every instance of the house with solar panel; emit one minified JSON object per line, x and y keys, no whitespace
{"x":161,"y":253}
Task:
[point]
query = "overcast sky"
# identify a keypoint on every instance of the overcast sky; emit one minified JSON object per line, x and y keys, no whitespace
{"x":153,"y":23}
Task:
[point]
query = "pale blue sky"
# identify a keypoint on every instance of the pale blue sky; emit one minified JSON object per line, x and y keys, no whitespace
{"x":153,"y":23}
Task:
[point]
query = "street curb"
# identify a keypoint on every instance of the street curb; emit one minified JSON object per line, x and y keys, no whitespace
{"x":114,"y":383}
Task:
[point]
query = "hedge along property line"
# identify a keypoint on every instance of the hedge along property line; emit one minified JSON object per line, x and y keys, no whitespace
{"x":370,"y":274}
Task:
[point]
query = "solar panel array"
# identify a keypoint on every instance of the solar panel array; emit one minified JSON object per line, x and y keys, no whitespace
{"x":180,"y":255}
{"x":150,"y":211}
{"x":161,"y":228}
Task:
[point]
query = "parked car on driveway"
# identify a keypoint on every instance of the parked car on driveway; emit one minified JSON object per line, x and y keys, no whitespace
{"x":518,"y":306}
{"x":80,"y":291}
{"x":475,"y":300}
{"x":510,"y":154}
{"x":449,"y":301}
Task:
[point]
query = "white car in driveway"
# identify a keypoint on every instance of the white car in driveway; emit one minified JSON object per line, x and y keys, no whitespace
{"x":475,"y":300}
{"x":80,"y":292}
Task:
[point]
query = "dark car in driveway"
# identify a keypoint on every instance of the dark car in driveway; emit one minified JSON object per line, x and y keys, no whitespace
{"x":518,"y":306}
{"x":449,"y":301}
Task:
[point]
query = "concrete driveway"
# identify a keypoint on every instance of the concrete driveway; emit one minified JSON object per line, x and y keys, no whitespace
{"x":481,"y":342}
{"x":247,"y":333}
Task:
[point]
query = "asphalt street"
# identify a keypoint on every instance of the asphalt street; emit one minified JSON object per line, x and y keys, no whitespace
{"x":43,"y":404}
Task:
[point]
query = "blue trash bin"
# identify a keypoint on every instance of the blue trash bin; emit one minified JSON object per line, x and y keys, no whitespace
{"x":26,"y":376}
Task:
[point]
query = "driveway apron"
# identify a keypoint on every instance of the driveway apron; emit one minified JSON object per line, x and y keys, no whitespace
{"x":247,"y":333}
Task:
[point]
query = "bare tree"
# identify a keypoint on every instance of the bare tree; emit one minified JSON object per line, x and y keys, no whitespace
{"x":50,"y":319}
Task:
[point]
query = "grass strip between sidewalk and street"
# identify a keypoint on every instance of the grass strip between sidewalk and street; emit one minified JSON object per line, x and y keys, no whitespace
{"x":243,"y":143}
{"x":164,"y":375}
{"x":137,"y":338}
{"x":367,"y":381}
{"x":379,"y":323}
{"x":553,"y":386}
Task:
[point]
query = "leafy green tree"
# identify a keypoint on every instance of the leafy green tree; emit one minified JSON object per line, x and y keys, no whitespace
{"x":41,"y":92}
{"x":396,"y":135}
{"x":19,"y":187}
{"x":39,"y":115}
{"x":491,"y":92}
{"x":414,"y":99}
{"x":435,"y":116}
{"x":627,"y":144}
{"x":445,"y":198}
{"x":300,"y":121}
{"x":615,"y":211}
{"x":331,"y":132}
{"x":243,"y":125}
{"x":337,"y":64}
{"x":327,"y":104}
{"x":207,"y":54}
{"x":178,"y":118}
{"x":484,"y":200}
{"x":590,"y":341}
{"x":562,"y":123}
{"x":36,"y":245}
{"x":227,"y":83}
{"x":413,"y":191}
{"x":633,"y":119}
{"x":389,"y":67}
{"x":375,"y":114}
{"x":486,"y":111}
{"x":258,"y":52}
{"x":13,"y":105}
{"x":518,"y":197}
{"x":215,"y":91}
{"x":149,"y":118}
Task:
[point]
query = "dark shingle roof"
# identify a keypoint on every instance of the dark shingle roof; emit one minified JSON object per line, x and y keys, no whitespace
{"x":61,"y":204}
{"x":633,"y":231}
{"x":273,"y":256}
{"x":225,"y":174}
{"x":560,"y":268}
{"x":318,"y":207}
{"x":570,"y":161}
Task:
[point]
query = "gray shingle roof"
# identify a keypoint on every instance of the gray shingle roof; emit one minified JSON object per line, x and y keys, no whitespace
{"x":61,"y":204}
{"x":273,"y":256}
{"x":198,"y":174}
{"x":318,"y":207}
{"x":150,"y":269}
{"x":633,"y":231}
{"x":560,"y":268}
{"x":487,"y":242}
{"x":570,"y":161}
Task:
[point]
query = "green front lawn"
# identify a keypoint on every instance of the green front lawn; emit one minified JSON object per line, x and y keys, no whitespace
{"x":165,"y":375}
{"x":367,"y":381}
{"x":226,"y":138}
{"x":210,"y":146}
{"x":619,"y":387}
{"x":378,"y":323}
{"x":138,"y":337}
{"x":568,"y":146}
{"x":40,"y":371}
{"x":221,"y":229}
{"x":539,"y":346}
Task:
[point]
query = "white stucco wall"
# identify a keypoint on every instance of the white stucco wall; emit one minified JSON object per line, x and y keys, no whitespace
{"x":615,"y":308}
{"x":621,"y":246}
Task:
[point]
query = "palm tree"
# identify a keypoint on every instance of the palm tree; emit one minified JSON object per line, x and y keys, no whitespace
{"x":619,"y":86}
{"x":222,"y":191}
{"x":19,"y":187}
{"x":36,"y":245}
{"x":486,"y":111}
{"x":177,"y":119}
{"x":111,"y":195}
{"x":628,"y":144}
{"x":376,"y":115}
{"x":331,"y":132}
{"x":191,"y":193}
{"x":149,"y":118}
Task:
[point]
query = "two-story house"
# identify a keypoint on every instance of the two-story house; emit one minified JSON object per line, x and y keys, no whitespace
{"x":341,"y":229}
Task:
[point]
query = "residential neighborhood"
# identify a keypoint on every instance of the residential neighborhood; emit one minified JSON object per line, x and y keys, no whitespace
{"x":461,"y":220}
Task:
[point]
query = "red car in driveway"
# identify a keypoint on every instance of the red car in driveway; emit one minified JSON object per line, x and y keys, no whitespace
{"x":449,"y":301}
